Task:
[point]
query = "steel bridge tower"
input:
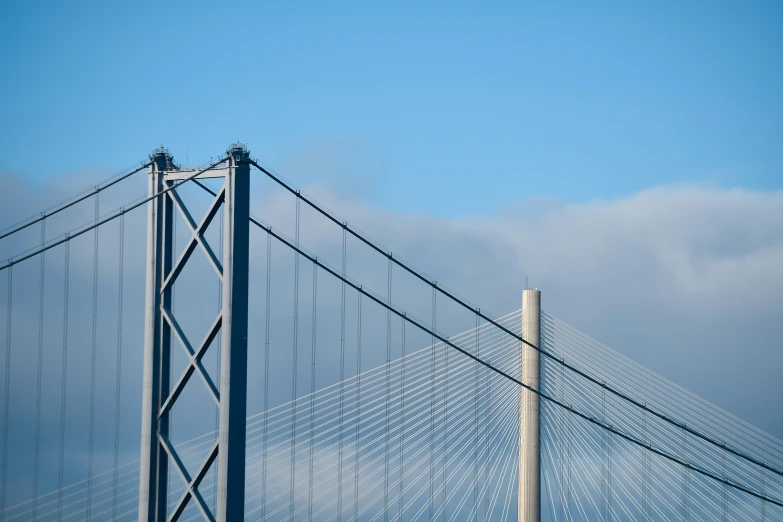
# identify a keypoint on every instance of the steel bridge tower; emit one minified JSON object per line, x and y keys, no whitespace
{"x":159,"y":394}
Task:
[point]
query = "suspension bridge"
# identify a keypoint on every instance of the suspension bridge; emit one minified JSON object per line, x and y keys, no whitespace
{"x":171,"y":355}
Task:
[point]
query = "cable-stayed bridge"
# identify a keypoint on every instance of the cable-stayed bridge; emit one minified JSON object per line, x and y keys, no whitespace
{"x":171,"y":355}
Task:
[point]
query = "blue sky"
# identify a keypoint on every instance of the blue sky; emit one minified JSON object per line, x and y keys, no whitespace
{"x":449,"y":109}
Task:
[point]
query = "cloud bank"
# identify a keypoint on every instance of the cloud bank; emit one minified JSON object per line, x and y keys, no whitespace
{"x":686,"y":280}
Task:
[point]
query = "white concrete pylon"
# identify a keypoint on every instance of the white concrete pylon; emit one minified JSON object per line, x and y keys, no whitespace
{"x":529,"y":432}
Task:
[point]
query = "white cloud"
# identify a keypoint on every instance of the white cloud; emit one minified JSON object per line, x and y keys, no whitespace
{"x":686,"y":280}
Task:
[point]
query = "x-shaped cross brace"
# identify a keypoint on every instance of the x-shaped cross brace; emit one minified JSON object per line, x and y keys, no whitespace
{"x":197,"y":237}
{"x":191,"y":484}
{"x":194,"y":363}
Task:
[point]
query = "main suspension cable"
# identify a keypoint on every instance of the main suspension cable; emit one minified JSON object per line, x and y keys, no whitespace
{"x":545,"y":396}
{"x":546,"y":353}
{"x":95,"y":224}
{"x":13,"y":229}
